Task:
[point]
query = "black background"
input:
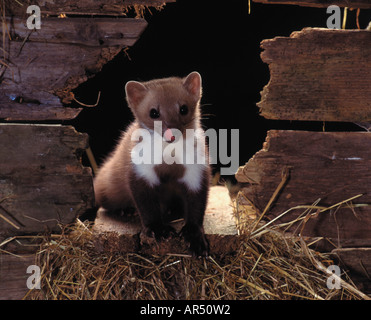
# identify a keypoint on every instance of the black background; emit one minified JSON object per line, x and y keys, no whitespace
{"x":221,"y":40}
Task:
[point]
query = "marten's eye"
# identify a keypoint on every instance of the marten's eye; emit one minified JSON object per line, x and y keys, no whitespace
{"x":154,"y":114}
{"x":183,"y":110}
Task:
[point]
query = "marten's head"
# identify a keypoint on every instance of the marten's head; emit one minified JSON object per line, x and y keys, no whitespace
{"x":173,"y":101}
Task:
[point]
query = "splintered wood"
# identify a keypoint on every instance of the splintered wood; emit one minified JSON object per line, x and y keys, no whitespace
{"x":42,"y":181}
{"x":324,"y":169}
{"x":318,"y":75}
{"x":359,"y":261}
{"x":47,"y":64}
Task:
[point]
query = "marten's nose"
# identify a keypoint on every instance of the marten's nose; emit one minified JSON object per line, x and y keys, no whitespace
{"x":169,"y":135}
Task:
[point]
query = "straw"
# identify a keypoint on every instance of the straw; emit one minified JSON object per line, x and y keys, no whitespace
{"x":268,"y":266}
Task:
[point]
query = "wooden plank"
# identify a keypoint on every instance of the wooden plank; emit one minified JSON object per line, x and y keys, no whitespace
{"x":330,"y":166}
{"x":97,"y":32}
{"x":123,"y":234}
{"x":13,"y":275}
{"x":358,"y":262}
{"x":318,"y":75}
{"x":42,"y":181}
{"x":91,"y":7}
{"x":363,"y":4}
{"x":31,"y":91}
{"x":35,"y":112}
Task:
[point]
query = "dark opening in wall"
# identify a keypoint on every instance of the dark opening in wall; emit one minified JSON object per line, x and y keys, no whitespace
{"x":222,"y":43}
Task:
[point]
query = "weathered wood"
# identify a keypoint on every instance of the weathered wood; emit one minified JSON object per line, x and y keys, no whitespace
{"x":40,"y":68}
{"x":97,"y":32}
{"x":91,"y":7}
{"x":42,"y":75}
{"x":13,"y":275}
{"x":42,"y":181}
{"x":31,"y":91}
{"x":330,"y":166}
{"x":318,"y":75}
{"x":123,"y":234}
{"x":356,"y":261}
{"x":34,"y":76}
{"x":35,"y":112}
{"x":320,"y":3}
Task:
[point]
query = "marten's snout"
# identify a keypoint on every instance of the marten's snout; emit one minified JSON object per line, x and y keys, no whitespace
{"x":169,"y":135}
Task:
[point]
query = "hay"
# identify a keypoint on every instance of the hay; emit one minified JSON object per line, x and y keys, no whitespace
{"x":265,"y":267}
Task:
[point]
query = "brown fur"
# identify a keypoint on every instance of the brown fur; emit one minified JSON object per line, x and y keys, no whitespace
{"x":118,"y":185}
{"x":111,"y":185}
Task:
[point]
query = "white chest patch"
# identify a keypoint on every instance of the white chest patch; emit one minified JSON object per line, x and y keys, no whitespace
{"x":144,"y":167}
{"x":193,"y":176}
{"x":196,"y":161}
{"x":147,"y":172}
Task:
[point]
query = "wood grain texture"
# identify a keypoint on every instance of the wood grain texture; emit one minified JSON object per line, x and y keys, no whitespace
{"x":330,"y":166}
{"x":40,"y":69}
{"x":13,"y":275}
{"x":41,"y":77}
{"x":321,"y":3}
{"x":97,"y":32}
{"x":42,"y":182}
{"x":75,"y":7}
{"x":318,"y":75}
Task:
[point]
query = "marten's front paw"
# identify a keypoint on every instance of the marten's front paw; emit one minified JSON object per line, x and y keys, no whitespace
{"x":195,"y":236}
{"x":159,"y":231}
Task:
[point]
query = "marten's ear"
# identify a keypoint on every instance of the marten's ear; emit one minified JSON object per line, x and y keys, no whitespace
{"x":135,"y":92}
{"x":193,"y":84}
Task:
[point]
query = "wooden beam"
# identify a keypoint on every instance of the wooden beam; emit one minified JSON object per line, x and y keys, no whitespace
{"x":42,"y":181}
{"x":363,"y":4}
{"x":329,"y":167}
{"x":318,"y":75}
{"x":36,"y":112}
{"x":358,"y":262}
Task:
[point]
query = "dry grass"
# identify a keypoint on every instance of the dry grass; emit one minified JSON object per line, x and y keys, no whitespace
{"x":266,"y":266}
